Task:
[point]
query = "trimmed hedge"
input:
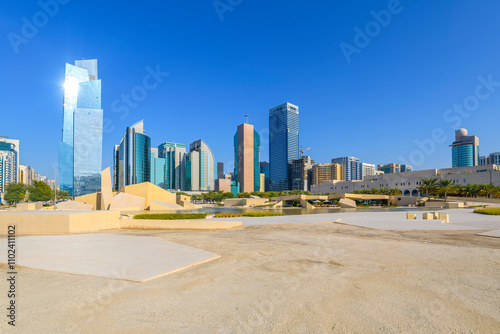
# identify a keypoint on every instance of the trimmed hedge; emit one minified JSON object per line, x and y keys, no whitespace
{"x":172,"y":216}
{"x":490,"y":211}
{"x":262,"y":214}
{"x":227,"y":215}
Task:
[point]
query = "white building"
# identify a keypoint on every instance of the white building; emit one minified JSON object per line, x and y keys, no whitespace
{"x":9,"y":162}
{"x":409,"y":182}
{"x":27,"y":175}
{"x":367,"y":170}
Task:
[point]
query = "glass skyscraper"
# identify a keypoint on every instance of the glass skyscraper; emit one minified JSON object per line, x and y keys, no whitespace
{"x":283,"y":144}
{"x":351,"y":168}
{"x":465,"y":149}
{"x":174,"y":155}
{"x":201,"y":170}
{"x":134,"y":157}
{"x":80,"y":151}
{"x":9,"y":162}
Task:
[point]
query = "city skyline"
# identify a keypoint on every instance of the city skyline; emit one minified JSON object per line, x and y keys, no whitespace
{"x":390,"y":99}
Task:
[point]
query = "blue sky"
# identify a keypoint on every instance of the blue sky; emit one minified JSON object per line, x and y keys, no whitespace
{"x":383,"y":106}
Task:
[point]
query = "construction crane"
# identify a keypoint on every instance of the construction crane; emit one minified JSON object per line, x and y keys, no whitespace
{"x":302,"y":151}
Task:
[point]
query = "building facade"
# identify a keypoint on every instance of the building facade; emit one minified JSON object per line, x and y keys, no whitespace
{"x":247,"y":158}
{"x":301,"y":173}
{"x":409,"y":182}
{"x":367,"y":170}
{"x":80,"y":150}
{"x":394,"y":168}
{"x":492,"y":159}
{"x":201,"y":170}
{"x":283,"y":144}
{"x":9,"y":162}
{"x":134,"y":157}
{"x":26,"y":175}
{"x":326,"y":172}
{"x":351,"y":168}
{"x":175,"y":165}
{"x":465,"y":149}
{"x":264,"y":169}
{"x":157,"y":169}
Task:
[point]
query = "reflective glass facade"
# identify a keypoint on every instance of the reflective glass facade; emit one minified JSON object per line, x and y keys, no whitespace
{"x":175,"y":161}
{"x":80,"y":150}
{"x":351,"y":168}
{"x":283,"y":143}
{"x":9,"y":162}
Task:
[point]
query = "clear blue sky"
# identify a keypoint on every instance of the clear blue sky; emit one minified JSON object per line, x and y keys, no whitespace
{"x":395,"y":90}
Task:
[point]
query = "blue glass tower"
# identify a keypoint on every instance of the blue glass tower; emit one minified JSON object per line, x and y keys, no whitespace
{"x":465,"y":149}
{"x":351,"y":168}
{"x":283,"y":144}
{"x":80,"y":151}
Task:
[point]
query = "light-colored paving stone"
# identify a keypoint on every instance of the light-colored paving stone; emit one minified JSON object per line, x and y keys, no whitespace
{"x":124,"y":257}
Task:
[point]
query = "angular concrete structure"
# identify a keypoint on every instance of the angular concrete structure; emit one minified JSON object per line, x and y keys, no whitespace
{"x":346,"y":203}
{"x":164,"y":206}
{"x":124,"y":201}
{"x":106,"y":189}
{"x":150,"y":192}
{"x":29,"y":206}
{"x":74,"y":205}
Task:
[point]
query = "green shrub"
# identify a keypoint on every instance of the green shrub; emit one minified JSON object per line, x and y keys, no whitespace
{"x":227,"y":215}
{"x":172,"y":216}
{"x":262,"y":214}
{"x":490,"y":211}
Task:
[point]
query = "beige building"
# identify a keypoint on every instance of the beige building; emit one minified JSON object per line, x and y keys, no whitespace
{"x":223,"y":185}
{"x":409,"y":182}
{"x":247,"y":158}
{"x":262,"y":182}
{"x":326,"y":172}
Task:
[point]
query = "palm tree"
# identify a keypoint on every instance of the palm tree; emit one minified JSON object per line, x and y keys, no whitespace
{"x":428,"y":186}
{"x":472,"y":190}
{"x":445,"y":187}
{"x":395,"y":192}
{"x":487,"y":189}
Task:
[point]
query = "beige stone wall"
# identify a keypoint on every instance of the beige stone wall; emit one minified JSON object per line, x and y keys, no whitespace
{"x":207,"y":224}
{"x":94,"y":199}
{"x":59,"y":222}
{"x":150,"y":192}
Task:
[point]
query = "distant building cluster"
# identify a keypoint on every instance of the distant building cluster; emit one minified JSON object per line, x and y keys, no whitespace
{"x":168,"y":166}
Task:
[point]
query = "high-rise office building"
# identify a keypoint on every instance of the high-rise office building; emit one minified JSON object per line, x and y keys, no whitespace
{"x":465,"y":149}
{"x":264,"y":169}
{"x":351,"y":168}
{"x":247,"y":158}
{"x":492,"y":159}
{"x":134,"y":154}
{"x":394,"y":168}
{"x":80,"y":151}
{"x":175,"y":165}
{"x":326,"y":172}
{"x":301,"y":173}
{"x":201,"y":170}
{"x":220,"y":170}
{"x":9,"y":162}
{"x":157,"y":169}
{"x":367,"y":170}
{"x":26,"y":175}
{"x":283,"y":143}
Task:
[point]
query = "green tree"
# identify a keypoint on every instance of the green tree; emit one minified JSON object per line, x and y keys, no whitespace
{"x":445,"y":187}
{"x":15,"y":192}
{"x":40,"y":191}
{"x":62,"y":194}
{"x":428,"y":186}
{"x":394,"y":192}
{"x":487,"y":189}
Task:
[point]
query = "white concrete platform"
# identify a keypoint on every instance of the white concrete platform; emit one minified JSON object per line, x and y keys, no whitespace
{"x":122,"y":257}
{"x":493,"y":234}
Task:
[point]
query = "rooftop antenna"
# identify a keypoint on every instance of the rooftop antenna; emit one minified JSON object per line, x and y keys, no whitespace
{"x":246,"y":118}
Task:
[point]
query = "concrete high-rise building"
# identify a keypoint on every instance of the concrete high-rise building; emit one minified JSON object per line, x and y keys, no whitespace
{"x":283,"y":143}
{"x":301,"y":173}
{"x":351,"y":168}
{"x":134,"y":154}
{"x":394,"y":168}
{"x":247,"y":158}
{"x":26,"y":175}
{"x":492,"y":159}
{"x":80,"y":150}
{"x":367,"y":170}
{"x":201,"y":170}
{"x":483,"y":160}
{"x":326,"y":172}
{"x":9,"y":162}
{"x":175,"y":165}
{"x":465,"y":149}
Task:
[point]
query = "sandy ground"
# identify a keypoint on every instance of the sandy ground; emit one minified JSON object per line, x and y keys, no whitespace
{"x":304,"y":278}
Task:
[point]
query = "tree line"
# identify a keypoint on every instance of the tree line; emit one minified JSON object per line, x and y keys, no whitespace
{"x":38,"y":192}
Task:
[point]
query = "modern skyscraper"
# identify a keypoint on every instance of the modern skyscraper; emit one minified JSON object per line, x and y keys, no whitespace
{"x":26,"y":175}
{"x":175,"y":165}
{"x":394,"y":168}
{"x":220,"y":170}
{"x":247,"y":158}
{"x":283,"y":143}
{"x":367,"y":170}
{"x":351,"y":168}
{"x":134,"y":154}
{"x":465,"y":149}
{"x":80,"y":151}
{"x":301,"y":173}
{"x":264,"y":169}
{"x":492,"y":159}
{"x":200,"y":167}
{"x":157,"y":169}
{"x":9,"y":162}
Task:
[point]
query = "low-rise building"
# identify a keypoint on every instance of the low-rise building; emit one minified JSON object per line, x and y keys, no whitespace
{"x":326,"y":172}
{"x":409,"y":182}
